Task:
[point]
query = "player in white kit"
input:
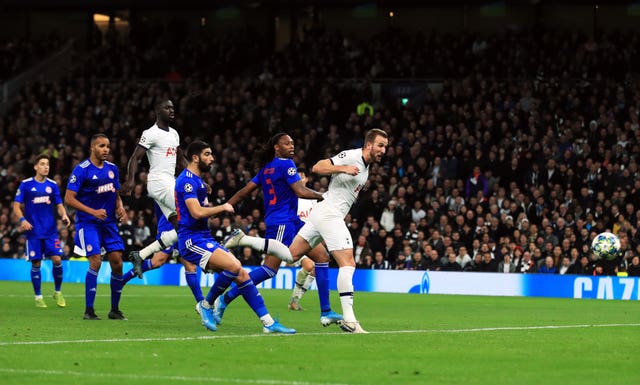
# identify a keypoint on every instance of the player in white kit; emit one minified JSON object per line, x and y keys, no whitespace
{"x":349,"y":172}
{"x":161,"y":143}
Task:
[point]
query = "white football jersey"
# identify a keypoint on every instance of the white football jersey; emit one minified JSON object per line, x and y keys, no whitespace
{"x":344,"y":188}
{"x":304,"y":208}
{"x":162,"y":149}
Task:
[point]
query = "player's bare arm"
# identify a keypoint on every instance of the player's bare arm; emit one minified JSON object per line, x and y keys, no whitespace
{"x":304,"y":192}
{"x":71,"y":201}
{"x":242,"y":193}
{"x":62,"y":212}
{"x":121,"y":213}
{"x":181,"y":161}
{"x":326,"y":167}
{"x":199,"y":212}
{"x":18,"y":213}
{"x":132,"y":170}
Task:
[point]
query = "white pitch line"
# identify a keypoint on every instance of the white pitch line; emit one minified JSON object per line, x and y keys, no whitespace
{"x":238,"y":336}
{"x":164,"y":379}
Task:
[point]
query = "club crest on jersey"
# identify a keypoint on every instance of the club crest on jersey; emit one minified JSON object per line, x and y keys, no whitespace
{"x":72,"y":178}
{"x":89,"y":248}
{"x":171,"y":151}
{"x":105,"y":188}
{"x":111,"y":175}
{"x":43,"y":199}
{"x":48,"y":190}
{"x":292,"y":171}
{"x":32,"y":253}
{"x":209,"y":245}
{"x":188,"y":187}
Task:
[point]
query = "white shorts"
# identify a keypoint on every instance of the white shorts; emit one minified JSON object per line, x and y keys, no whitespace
{"x":326,"y":224}
{"x":162,"y":192}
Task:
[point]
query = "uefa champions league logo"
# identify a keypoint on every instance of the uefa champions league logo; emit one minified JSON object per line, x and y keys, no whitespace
{"x":423,"y":286}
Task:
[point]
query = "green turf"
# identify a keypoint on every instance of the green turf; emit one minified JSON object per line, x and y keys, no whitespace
{"x":415,"y":339}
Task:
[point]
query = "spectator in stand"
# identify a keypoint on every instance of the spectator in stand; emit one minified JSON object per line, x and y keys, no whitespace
{"x":379,"y":263}
{"x":633,"y":270}
{"x":548,"y":266}
{"x":452,"y":264}
{"x":417,"y":262}
{"x":506,"y":266}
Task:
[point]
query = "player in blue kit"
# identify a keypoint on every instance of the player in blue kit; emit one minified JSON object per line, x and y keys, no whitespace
{"x":198,"y":246}
{"x":40,"y":197}
{"x":161,"y":257}
{"x":281,"y":188}
{"x":93,"y":192}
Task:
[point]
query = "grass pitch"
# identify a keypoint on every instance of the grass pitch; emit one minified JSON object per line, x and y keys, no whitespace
{"x":415,"y":339}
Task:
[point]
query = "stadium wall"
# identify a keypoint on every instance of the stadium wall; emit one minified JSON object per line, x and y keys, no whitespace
{"x":419,"y":282}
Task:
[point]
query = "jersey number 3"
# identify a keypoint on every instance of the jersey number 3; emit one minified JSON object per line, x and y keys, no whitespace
{"x":272,"y":192}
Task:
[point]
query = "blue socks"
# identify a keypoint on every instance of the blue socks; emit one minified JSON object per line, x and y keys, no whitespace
{"x":222,"y":282}
{"x":57,"y":276}
{"x":322,"y":280}
{"x":194,"y":285}
{"x":253,"y":298}
{"x":90,"y":286}
{"x":116,"y":290}
{"x":257,"y":276}
{"x":36,"y":280}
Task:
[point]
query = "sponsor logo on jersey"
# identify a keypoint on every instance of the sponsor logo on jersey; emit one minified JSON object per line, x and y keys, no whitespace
{"x":171,"y":151}
{"x":105,"y":188}
{"x":43,"y":199}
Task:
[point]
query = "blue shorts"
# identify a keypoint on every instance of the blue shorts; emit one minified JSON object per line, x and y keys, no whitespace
{"x":163,"y":226}
{"x":91,"y":238}
{"x":197,"y":248}
{"x":38,"y":248}
{"x":284,"y":232}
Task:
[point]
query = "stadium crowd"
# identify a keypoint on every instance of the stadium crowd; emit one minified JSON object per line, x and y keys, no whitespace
{"x":494,"y":173}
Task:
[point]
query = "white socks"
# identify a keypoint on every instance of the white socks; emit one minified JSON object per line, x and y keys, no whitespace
{"x":345,"y":288}
{"x":168,"y":238}
{"x":273,"y":247}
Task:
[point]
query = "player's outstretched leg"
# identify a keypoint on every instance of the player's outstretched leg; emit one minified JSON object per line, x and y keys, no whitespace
{"x":264,"y":245}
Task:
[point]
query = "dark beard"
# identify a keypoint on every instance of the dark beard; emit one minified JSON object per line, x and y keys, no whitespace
{"x":203,"y":167}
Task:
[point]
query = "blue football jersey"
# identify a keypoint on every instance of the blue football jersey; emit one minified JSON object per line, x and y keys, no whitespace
{"x":280,"y":201}
{"x":189,"y":185}
{"x":97,"y":188}
{"x":40,"y":200}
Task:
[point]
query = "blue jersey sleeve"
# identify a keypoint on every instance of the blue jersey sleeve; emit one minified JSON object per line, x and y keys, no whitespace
{"x":20,"y":193}
{"x":57,"y":199}
{"x":292,"y":172}
{"x":76,"y":179}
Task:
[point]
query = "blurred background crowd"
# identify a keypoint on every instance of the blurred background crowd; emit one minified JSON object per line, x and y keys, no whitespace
{"x":518,"y":147}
